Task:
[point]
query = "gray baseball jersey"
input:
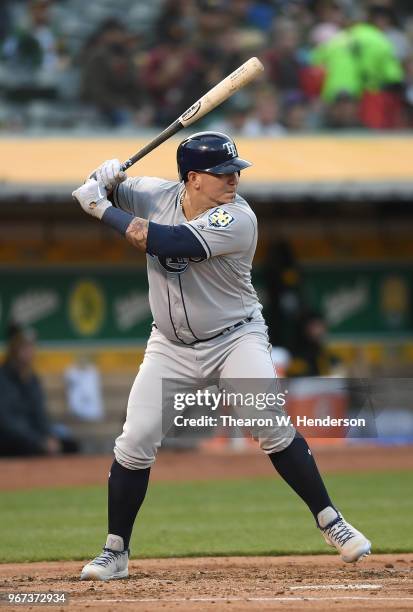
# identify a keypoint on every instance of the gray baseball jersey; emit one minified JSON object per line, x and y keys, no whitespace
{"x":192,"y":299}
{"x":195,"y":299}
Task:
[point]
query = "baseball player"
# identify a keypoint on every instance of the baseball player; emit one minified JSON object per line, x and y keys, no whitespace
{"x":199,"y":236}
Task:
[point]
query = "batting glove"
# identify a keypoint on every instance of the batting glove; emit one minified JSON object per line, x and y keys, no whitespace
{"x":92,"y":198}
{"x":109,"y":174}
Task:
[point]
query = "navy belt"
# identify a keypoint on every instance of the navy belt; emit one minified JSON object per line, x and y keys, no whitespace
{"x":224,"y":331}
{"x":232,"y":327}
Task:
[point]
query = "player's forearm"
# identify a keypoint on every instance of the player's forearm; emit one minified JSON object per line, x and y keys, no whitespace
{"x":137,"y":233}
{"x":135,"y":229}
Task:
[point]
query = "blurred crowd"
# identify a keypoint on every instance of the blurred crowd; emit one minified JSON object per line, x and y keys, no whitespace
{"x":330,"y":64}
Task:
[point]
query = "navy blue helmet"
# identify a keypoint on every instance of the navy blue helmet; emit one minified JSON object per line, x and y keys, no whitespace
{"x":209,"y":152}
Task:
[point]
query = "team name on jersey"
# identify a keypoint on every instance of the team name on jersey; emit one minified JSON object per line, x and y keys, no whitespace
{"x":177,"y":265}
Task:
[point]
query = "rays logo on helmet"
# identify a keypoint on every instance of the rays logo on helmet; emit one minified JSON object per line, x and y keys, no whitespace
{"x":220,"y":218}
{"x":231,"y":148}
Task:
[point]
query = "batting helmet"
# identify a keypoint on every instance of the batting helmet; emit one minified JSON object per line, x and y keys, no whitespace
{"x":209,"y":152}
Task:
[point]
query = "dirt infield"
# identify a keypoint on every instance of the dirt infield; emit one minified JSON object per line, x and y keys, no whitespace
{"x":381,"y":582}
{"x":181,"y":466}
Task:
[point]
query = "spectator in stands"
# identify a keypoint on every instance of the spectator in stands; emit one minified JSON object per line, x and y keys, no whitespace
{"x":233,"y":122}
{"x":300,"y":12}
{"x":360,"y":62}
{"x":232,"y":48}
{"x":343,"y":113}
{"x":173,"y":11}
{"x":309,"y":355}
{"x":251,"y":35}
{"x":225,"y":52}
{"x":169,"y":73}
{"x":261,"y":14}
{"x":84,"y":389}
{"x":283,"y":284}
{"x":240,"y":13}
{"x":110,"y":79}
{"x":282,"y":59}
{"x":212,"y":20}
{"x":341,"y":71}
{"x":381,"y":74}
{"x":384,"y":18}
{"x":330,"y":19}
{"x":265,"y":118}
{"x":296,"y":113}
{"x":25,"y":427}
{"x":36,"y":45}
{"x":218,"y":57}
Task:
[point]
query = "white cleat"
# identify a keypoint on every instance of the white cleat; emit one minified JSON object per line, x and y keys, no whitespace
{"x":111,"y":564}
{"x":350,"y":543}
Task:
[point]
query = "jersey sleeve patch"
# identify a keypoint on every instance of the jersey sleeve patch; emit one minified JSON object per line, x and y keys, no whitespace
{"x":220,"y":218}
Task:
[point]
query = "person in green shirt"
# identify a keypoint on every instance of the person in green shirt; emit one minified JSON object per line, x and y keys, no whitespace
{"x":341,"y":75}
{"x":357,"y":60}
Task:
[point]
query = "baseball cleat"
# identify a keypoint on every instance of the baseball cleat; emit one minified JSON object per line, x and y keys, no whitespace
{"x":349,"y":542}
{"x":111,"y":564}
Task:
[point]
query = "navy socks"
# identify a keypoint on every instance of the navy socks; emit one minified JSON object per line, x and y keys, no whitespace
{"x":297,"y":467}
{"x":127,"y":490}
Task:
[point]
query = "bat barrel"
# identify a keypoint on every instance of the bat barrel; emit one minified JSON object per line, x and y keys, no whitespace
{"x":243,"y":75}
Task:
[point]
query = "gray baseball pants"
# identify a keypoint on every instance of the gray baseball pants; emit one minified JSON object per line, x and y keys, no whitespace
{"x":238,"y":355}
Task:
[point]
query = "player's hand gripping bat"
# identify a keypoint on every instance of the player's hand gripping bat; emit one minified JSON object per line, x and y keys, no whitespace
{"x":215,"y":96}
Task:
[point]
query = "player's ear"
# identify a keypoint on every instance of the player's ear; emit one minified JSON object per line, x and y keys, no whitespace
{"x":194,"y":179}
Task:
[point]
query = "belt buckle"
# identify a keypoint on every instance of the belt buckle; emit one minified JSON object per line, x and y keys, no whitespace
{"x":232,"y":327}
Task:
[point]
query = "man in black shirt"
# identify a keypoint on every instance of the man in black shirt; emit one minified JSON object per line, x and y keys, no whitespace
{"x":25,"y":428}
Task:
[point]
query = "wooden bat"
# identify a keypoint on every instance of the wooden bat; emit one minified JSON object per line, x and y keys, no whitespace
{"x":215,"y":96}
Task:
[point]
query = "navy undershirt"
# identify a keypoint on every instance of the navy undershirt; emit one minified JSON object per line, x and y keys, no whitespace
{"x":173,"y":241}
{"x":163,"y":240}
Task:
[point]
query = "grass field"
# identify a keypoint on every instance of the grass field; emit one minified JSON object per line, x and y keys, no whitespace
{"x":238,"y":517}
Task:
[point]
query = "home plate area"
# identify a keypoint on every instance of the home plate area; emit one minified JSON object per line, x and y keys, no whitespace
{"x":227,"y":583}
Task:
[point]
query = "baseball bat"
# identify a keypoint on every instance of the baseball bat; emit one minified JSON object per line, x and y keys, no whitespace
{"x":243,"y":75}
